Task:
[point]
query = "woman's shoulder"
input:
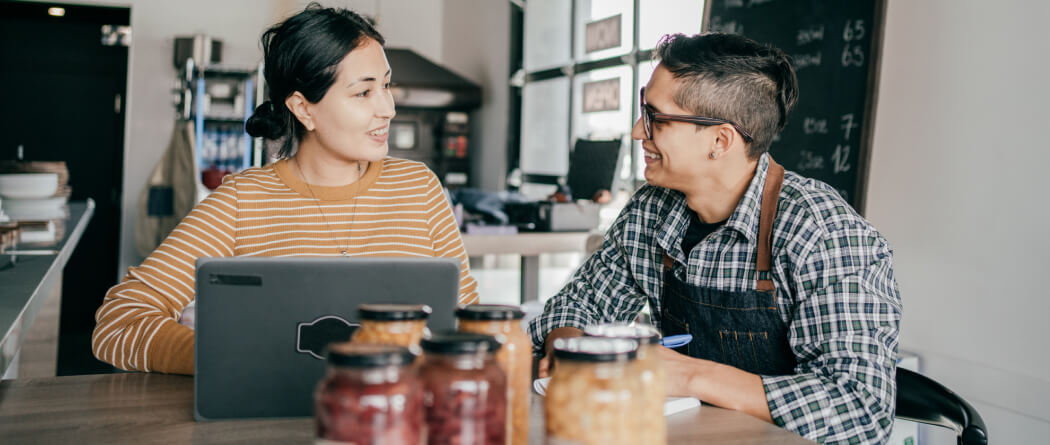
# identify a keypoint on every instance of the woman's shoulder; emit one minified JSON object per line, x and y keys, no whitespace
{"x":402,"y":166}
{"x":254,"y":176}
{"x":406,"y":169}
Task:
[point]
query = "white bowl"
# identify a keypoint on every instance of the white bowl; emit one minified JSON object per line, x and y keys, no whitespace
{"x":35,"y":209}
{"x":28,"y":185}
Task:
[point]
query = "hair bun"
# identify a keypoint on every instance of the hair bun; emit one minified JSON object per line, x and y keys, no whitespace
{"x":269,"y":121}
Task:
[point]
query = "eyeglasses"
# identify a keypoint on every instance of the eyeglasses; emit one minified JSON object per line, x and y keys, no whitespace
{"x":649,"y":116}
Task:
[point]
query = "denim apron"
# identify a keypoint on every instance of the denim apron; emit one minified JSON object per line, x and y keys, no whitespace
{"x":740,"y":329}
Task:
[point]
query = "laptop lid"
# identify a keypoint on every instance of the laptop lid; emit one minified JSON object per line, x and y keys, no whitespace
{"x":262,"y":323}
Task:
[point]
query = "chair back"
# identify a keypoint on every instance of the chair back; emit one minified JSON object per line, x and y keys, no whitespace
{"x":921,"y":399}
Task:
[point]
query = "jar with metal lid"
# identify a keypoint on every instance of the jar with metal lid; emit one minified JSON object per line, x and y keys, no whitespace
{"x":371,"y":395}
{"x":592,"y":396}
{"x":651,"y":373}
{"x":515,"y":357}
{"x":392,"y":324}
{"x":464,"y":390}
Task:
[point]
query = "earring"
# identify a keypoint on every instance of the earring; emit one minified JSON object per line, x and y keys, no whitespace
{"x":712,"y":156}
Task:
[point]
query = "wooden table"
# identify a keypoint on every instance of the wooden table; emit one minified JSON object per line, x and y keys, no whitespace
{"x":141,"y":408}
{"x":528,"y":245}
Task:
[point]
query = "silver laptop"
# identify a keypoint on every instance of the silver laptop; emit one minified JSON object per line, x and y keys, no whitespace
{"x":262,"y":323}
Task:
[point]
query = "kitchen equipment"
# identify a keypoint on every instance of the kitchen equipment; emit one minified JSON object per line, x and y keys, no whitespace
{"x":546,"y":216}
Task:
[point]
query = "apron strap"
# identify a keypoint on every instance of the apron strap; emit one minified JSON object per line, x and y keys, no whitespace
{"x":770,"y":196}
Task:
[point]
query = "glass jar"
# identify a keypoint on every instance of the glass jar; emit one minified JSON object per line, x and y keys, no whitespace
{"x":464,"y":390}
{"x":592,"y":396}
{"x":392,"y":324}
{"x":515,"y":357}
{"x":371,"y":395}
{"x":650,"y":371}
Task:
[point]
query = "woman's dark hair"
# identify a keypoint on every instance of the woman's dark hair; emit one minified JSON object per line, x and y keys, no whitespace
{"x":302,"y":54}
{"x":731,"y":77}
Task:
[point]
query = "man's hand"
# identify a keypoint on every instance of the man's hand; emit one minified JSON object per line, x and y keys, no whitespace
{"x":544,"y":367}
{"x":714,"y":383}
{"x":683,"y":372}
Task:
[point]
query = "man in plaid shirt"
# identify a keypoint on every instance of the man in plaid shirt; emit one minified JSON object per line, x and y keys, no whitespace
{"x":788,"y":293}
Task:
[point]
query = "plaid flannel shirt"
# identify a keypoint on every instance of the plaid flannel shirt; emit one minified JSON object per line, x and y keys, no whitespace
{"x":835,"y":291}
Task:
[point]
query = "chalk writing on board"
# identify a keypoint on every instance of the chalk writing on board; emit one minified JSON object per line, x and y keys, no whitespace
{"x":812,"y":125}
{"x":852,"y":55}
{"x":806,"y":60}
{"x":809,"y":161}
{"x":854,"y":30}
{"x":809,"y":35}
{"x":848,"y":124}
{"x":840,"y":159}
{"x":833,"y":46}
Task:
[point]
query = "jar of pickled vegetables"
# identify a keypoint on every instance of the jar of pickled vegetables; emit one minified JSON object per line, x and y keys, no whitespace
{"x":392,"y":324}
{"x":515,"y":357}
{"x":371,"y":395}
{"x":592,"y":398}
{"x":651,"y":373}
{"x":464,"y":390}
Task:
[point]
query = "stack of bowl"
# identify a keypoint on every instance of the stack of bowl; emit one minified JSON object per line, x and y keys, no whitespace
{"x":34,"y":191}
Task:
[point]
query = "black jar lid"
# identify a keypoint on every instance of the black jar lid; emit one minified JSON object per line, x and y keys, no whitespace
{"x":489,"y":312}
{"x":393,"y":312}
{"x":460,"y":343}
{"x":363,"y":355}
{"x":595,"y":349}
{"x":642,"y":333}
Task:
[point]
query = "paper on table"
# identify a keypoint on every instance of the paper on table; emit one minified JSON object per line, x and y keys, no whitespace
{"x":671,"y":406}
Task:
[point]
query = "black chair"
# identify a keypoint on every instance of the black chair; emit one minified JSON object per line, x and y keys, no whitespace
{"x":920,"y":399}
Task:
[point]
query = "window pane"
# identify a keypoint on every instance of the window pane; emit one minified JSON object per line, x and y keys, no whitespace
{"x":545,"y":127}
{"x":645,"y":71}
{"x":547,"y":34}
{"x":602,"y":103}
{"x":657,"y":18}
{"x":604,"y":28}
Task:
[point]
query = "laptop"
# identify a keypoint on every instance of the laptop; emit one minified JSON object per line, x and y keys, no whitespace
{"x":262,"y":324}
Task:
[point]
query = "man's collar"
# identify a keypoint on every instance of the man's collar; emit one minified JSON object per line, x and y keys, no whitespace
{"x":744,"y":219}
{"x":746,"y":215}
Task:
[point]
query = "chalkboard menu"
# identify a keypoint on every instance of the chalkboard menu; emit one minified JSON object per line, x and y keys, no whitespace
{"x":834,"y":47}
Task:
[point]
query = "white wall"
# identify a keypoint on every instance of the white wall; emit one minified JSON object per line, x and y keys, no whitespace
{"x":957,"y":185}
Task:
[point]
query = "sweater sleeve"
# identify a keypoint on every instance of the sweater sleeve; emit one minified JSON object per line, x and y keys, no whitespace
{"x":444,"y":234}
{"x":137,"y":325}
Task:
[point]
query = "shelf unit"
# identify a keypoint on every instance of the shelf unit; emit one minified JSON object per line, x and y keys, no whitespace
{"x":218,"y":100}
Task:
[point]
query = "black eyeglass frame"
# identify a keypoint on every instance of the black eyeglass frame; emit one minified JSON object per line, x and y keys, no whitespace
{"x":649,"y":116}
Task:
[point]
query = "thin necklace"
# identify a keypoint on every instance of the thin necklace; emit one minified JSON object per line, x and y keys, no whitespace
{"x":317,"y":202}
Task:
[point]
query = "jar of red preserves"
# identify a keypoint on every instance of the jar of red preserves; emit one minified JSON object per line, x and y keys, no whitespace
{"x":464,"y":390}
{"x":371,"y":395}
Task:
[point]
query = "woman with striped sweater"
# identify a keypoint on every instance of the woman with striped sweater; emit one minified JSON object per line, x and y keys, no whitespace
{"x":334,"y":192}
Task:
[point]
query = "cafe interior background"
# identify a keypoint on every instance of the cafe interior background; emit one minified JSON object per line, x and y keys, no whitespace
{"x":955,"y":179}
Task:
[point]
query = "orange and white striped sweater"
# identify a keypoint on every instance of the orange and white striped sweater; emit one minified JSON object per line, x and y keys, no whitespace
{"x":397,"y":209}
